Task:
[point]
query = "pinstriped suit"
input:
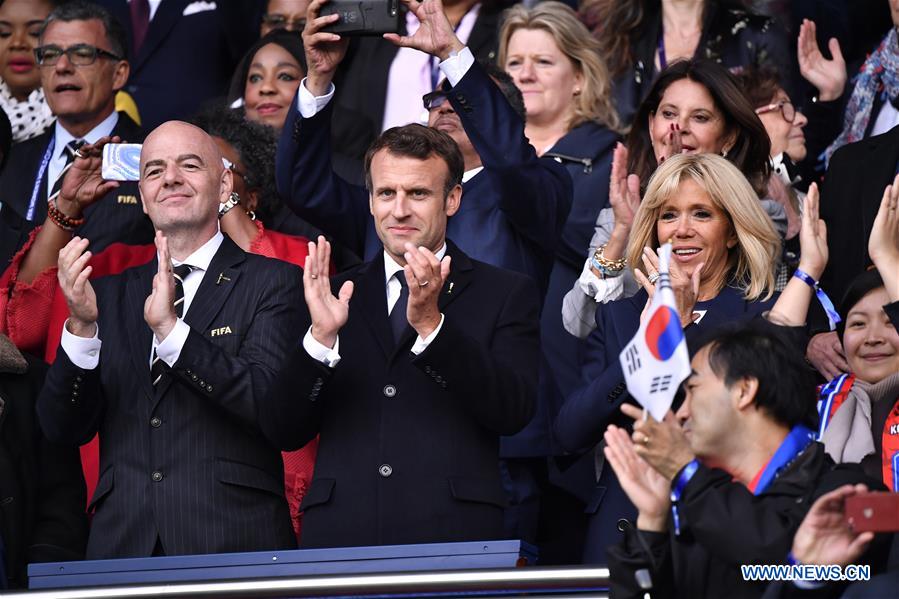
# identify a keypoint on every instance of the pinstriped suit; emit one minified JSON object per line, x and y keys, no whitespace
{"x":194,"y":461}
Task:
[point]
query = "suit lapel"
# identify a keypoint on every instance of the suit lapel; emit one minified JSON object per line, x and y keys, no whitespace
{"x":163,"y":21}
{"x":139,"y":284}
{"x":218,"y":283}
{"x":216,"y":287}
{"x":456,"y":282}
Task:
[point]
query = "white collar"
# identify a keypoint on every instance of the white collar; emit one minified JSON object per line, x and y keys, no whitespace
{"x":469,"y":174}
{"x":202,"y":257}
{"x":391,"y":266}
{"x":103,"y":129}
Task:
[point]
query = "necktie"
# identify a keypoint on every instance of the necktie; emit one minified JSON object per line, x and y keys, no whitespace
{"x":140,"y":23}
{"x":398,"y":321}
{"x":70,"y":150}
{"x":180,"y":271}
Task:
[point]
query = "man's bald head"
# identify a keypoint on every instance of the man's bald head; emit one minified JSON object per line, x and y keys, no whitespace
{"x":182,"y":179}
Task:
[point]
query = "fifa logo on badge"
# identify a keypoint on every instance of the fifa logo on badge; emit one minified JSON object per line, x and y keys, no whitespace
{"x":126,"y":199}
{"x":220,"y":331}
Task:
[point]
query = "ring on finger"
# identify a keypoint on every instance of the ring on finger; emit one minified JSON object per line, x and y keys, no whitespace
{"x":78,"y":154}
{"x":653,"y":277}
{"x":424,"y":284}
{"x":314,"y":276}
{"x":645,"y":440}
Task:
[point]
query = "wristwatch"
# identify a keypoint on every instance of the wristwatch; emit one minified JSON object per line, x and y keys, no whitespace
{"x":225,"y":207}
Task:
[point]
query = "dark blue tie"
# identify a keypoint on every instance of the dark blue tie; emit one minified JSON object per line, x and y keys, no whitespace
{"x":398,"y":320}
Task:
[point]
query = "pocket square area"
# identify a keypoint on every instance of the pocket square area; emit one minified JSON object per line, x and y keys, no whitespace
{"x":195,"y":7}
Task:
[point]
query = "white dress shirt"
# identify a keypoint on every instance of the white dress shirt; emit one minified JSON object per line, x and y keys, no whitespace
{"x":331,"y":356}
{"x":84,"y":352}
{"x":61,"y":140}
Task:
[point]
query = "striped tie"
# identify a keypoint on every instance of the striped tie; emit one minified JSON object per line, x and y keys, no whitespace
{"x":70,"y":150}
{"x":179,"y":272}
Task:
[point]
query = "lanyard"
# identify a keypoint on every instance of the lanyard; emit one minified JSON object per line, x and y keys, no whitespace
{"x":798,"y":439}
{"x":45,"y":161}
{"x":830,"y":398}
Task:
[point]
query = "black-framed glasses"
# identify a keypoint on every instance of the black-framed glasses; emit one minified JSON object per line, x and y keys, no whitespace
{"x":433,"y":99}
{"x":786,"y":110}
{"x":80,"y":55}
{"x":278,"y":21}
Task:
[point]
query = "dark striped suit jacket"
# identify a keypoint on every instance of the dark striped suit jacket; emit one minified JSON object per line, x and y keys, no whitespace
{"x":194,"y":462}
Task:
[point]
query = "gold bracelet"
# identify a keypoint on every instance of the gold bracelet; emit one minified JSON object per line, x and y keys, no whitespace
{"x":606,"y":264}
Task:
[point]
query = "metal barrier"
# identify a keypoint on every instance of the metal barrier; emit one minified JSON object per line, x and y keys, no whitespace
{"x":527,"y":582}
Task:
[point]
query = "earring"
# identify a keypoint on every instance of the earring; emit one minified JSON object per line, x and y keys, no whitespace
{"x":724,"y":153}
{"x":577,"y":91}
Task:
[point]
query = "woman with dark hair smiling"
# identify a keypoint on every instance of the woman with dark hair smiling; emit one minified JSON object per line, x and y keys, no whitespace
{"x":267,"y":77}
{"x":694,"y":107}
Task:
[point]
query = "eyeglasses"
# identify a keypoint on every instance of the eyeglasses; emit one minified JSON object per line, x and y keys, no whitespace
{"x":433,"y":99}
{"x":785,"y":107}
{"x":80,"y":55}
{"x":277,"y":21}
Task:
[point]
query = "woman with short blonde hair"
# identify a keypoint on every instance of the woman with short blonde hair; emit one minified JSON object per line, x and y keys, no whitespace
{"x":751,"y":260}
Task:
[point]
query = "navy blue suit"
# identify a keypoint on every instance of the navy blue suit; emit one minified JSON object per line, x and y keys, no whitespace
{"x":587,"y":412}
{"x":409,"y":444}
{"x":511,"y":214}
{"x":186,"y":60}
{"x":194,"y":461}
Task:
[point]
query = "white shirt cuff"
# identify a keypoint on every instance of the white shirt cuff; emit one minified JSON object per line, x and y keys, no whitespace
{"x":456,"y":66}
{"x":169,"y":349}
{"x":84,"y":352}
{"x":422,"y":344}
{"x":310,"y":105}
{"x":601,"y":290}
{"x":321,"y":353}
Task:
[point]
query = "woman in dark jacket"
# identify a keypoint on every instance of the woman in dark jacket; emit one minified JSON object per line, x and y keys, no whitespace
{"x":639,"y":38}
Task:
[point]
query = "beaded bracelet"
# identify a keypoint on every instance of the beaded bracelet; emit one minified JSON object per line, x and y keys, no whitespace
{"x":66,"y":223}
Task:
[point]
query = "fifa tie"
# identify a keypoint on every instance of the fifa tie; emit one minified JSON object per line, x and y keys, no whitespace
{"x":398,"y":320}
{"x":70,"y":150}
{"x":179,"y":272}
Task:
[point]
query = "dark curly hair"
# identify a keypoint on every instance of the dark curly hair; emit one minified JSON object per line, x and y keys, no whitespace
{"x":255,"y":143}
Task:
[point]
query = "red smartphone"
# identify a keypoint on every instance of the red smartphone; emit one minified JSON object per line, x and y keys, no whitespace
{"x":875,"y":512}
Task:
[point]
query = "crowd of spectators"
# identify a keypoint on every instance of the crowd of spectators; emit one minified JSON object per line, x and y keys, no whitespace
{"x":212,"y":339}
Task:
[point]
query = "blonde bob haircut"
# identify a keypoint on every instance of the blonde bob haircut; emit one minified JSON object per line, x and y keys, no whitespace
{"x":753,"y":258}
{"x":594,"y":103}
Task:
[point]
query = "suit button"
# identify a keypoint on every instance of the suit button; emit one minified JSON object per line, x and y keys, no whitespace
{"x":194,"y":377}
{"x":202,"y":384}
{"x":78,"y":378}
{"x":156,"y":476}
{"x":438,"y":378}
{"x":187,"y":372}
{"x":209,"y":388}
{"x":389,"y":391}
{"x":428,"y":369}
{"x":385,"y":470}
{"x":74,"y":385}
{"x":155,"y":422}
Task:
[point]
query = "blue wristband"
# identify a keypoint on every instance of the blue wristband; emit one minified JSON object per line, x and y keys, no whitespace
{"x":677,"y":490}
{"x":832,"y":317}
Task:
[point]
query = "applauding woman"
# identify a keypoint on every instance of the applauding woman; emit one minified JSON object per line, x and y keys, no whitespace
{"x":724,"y":246}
